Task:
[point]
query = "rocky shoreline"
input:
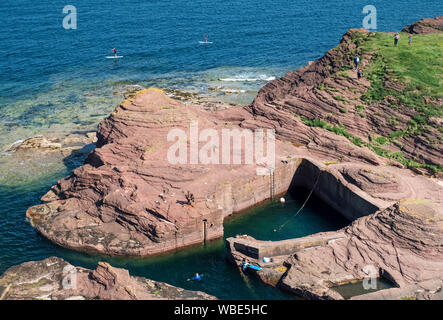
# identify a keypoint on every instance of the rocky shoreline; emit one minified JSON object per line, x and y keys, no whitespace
{"x":55,"y":279}
{"x":400,"y":241}
{"x":127,"y":199}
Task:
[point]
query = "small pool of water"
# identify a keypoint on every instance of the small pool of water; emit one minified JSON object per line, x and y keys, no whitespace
{"x":350,"y":290}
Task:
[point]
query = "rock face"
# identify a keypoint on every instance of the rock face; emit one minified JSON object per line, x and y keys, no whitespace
{"x":427,"y":25}
{"x":55,"y":279}
{"x":401,"y":243}
{"x":327,"y":91}
{"x":128,"y":199}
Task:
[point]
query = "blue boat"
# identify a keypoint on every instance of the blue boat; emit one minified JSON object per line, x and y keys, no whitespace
{"x":246,"y":265}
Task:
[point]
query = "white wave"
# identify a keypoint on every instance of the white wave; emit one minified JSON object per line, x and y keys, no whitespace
{"x":248,"y":79}
{"x":15,"y":144}
{"x":233,"y":91}
{"x":19,"y":142}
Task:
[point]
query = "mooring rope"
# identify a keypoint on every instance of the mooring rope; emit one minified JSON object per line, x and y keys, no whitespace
{"x":301,"y":208}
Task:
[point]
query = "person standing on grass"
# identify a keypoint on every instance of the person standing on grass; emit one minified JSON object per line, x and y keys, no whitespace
{"x":359,"y":74}
{"x":397,"y":36}
{"x":410,"y":39}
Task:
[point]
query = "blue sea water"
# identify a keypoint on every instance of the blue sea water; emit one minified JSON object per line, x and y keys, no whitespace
{"x":54,"y":80}
{"x":51,"y":76}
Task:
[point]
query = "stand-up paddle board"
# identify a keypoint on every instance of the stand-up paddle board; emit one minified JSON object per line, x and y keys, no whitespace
{"x":205,"y":42}
{"x":114,"y":57}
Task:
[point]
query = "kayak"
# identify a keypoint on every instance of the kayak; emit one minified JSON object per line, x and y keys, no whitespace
{"x":246,"y":265}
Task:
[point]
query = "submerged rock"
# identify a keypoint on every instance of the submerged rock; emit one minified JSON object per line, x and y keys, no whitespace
{"x":35,"y":143}
{"x":55,"y":279}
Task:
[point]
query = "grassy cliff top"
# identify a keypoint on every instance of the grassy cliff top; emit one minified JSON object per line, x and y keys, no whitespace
{"x":417,"y":68}
{"x":397,"y":112}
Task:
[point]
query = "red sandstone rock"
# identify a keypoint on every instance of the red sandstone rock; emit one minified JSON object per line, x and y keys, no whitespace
{"x":128,"y":200}
{"x":402,"y":243}
{"x":427,"y":25}
{"x":310,"y":92}
{"x":55,"y":279}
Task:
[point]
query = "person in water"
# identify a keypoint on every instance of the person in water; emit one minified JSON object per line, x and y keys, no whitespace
{"x":197,"y":277}
{"x":115,"y":52}
{"x":396,"y":37}
{"x":356,"y":61}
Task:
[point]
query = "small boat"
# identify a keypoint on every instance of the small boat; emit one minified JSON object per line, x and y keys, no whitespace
{"x":246,"y":265}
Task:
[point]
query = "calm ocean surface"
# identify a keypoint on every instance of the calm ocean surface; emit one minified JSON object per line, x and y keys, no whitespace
{"x":54,"y":80}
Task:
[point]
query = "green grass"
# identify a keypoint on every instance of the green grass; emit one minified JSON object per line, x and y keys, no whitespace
{"x":415,"y":73}
{"x":339,"y":98}
{"x":373,"y":145}
{"x":407,"y":298}
{"x":381,"y":140}
{"x":396,"y":134}
{"x":393,"y":121}
{"x":419,"y":69}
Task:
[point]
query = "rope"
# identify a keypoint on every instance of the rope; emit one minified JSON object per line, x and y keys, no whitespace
{"x":301,"y":208}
